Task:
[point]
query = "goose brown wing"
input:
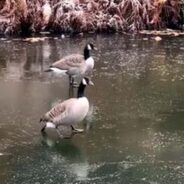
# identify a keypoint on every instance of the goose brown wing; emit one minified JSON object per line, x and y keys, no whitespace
{"x":72,"y":61}
{"x":59,"y":111}
{"x":56,"y":111}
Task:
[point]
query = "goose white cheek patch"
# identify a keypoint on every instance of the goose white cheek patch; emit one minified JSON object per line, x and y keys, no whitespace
{"x":84,"y":81}
{"x":89,"y":47}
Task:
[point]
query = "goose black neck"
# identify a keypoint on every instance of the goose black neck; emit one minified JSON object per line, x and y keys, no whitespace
{"x":81,"y":90}
{"x":86,"y":53}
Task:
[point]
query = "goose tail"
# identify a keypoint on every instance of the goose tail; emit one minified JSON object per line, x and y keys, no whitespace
{"x":56,"y":70}
{"x":48,"y":70}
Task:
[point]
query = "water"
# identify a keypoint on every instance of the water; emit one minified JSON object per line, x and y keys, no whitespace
{"x":134,"y":131}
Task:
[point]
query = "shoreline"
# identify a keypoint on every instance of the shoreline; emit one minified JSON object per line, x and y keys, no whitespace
{"x":35,"y":37}
{"x":25,"y":17}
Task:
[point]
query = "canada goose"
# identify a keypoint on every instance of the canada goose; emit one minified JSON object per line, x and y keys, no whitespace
{"x":75,"y":64}
{"x":69,"y":112}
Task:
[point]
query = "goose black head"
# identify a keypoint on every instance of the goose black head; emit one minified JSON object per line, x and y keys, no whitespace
{"x":84,"y":82}
{"x":87,"y":81}
{"x":89,"y":47}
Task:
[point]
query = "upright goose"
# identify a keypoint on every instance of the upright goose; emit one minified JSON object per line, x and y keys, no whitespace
{"x":70,"y":112}
{"x":75,"y":64}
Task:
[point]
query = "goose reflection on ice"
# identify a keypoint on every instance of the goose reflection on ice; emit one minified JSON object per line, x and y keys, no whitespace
{"x":68,"y":155}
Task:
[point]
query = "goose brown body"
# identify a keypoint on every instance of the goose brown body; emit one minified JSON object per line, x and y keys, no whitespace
{"x":70,"y":112}
{"x":75,"y":64}
{"x":74,"y":60}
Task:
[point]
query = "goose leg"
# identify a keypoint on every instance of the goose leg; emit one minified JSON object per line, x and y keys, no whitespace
{"x":71,"y":91}
{"x":60,"y":135}
{"x":75,"y":130}
{"x":75,"y":85}
{"x":72,"y":82}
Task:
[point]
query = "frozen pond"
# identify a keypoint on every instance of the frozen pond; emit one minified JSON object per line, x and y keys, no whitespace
{"x":134,"y":132}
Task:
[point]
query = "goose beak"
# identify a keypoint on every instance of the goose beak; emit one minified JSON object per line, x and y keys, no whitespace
{"x":95,"y":48}
{"x":91,"y":83}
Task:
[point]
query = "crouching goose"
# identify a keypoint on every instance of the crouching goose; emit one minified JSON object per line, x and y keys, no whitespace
{"x":70,"y":112}
{"x":75,"y":64}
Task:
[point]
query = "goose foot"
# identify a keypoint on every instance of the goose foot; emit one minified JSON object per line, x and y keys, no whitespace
{"x":62,"y":136}
{"x":75,"y":130}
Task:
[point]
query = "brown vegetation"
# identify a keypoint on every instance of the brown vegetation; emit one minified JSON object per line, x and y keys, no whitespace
{"x":75,"y":16}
